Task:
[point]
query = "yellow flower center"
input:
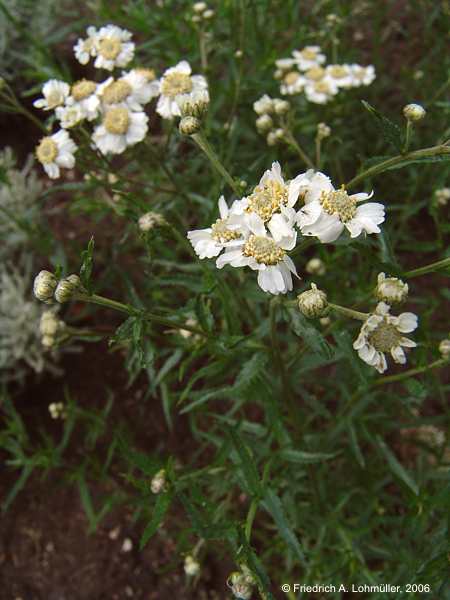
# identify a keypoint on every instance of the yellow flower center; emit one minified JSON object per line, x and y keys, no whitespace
{"x":322,"y":87}
{"x":263,"y":250}
{"x":116,"y":91}
{"x":315,"y":74}
{"x":339,"y":203}
{"x":291,"y":77}
{"x":267,"y":199}
{"x":384,"y":337}
{"x":221,"y":233}
{"x":149,"y":74}
{"x":47,"y":151}
{"x":176,"y":83}
{"x":83,"y":89}
{"x":110,"y":47}
{"x":117,"y":120}
{"x":308,"y":54}
{"x":338,"y":72}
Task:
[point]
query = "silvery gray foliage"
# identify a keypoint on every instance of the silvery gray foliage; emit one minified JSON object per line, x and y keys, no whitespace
{"x":19,"y":205}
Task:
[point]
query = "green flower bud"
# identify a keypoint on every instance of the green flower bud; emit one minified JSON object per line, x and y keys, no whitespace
{"x":44,"y":286}
{"x":313,"y":303}
{"x":414,"y":112}
{"x":67,"y":288}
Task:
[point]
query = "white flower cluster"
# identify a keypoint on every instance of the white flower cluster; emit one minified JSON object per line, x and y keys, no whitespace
{"x":307,"y":72}
{"x":270,"y":113}
{"x":117,"y":103}
{"x":202,"y":13}
{"x":258,"y":230}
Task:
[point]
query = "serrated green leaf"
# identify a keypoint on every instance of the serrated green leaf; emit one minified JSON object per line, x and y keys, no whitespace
{"x":390,"y":130}
{"x":310,"y":335}
{"x":162,"y":505}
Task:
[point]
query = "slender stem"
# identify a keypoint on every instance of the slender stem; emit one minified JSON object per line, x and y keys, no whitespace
{"x":203,"y":52}
{"x":291,"y":141}
{"x":436,"y":266}
{"x":204,"y":145}
{"x":349,"y":312}
{"x":392,"y":378}
{"x":250,"y":518}
{"x":12,"y":100}
{"x":396,"y":160}
{"x":318,"y":150}
{"x":409,"y":128}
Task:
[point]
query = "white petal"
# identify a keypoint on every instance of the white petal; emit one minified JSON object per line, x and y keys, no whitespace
{"x":223,"y":208}
{"x":407,"y":322}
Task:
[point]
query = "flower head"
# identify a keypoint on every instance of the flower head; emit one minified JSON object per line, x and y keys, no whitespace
{"x":191,"y":566}
{"x":175,"y":82}
{"x":309,"y":57}
{"x":85,"y":49}
{"x":150,"y":220}
{"x":83,"y":94}
{"x":55,"y":93}
{"x":55,"y":151}
{"x":414,"y":112}
{"x":382,"y":333}
{"x":112,"y":47}
{"x":194,"y":104}
{"x":44,"y":286}
{"x":133,"y":90}
{"x":327,"y":211}
{"x":391,"y":289}
{"x":119,"y":129}
{"x":69,"y":116}
{"x":68,"y":288}
{"x":263,"y":106}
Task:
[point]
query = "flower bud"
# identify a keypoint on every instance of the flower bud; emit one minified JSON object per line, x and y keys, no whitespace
{"x":264,"y":105}
{"x":48,"y":341}
{"x":194,"y":104}
{"x":313,"y":303}
{"x":189,"y":125}
{"x":323,"y":131}
{"x":208,"y":14}
{"x":391,"y":289}
{"x":271,"y":138}
{"x":238,"y":54}
{"x":444,"y":348}
{"x":49,"y":323}
{"x":57,"y":410}
{"x":414,"y":112}
{"x":242,"y":590}
{"x":281,"y":106}
{"x":196,"y":19}
{"x":315,"y":266}
{"x":279,"y":133}
{"x":442,"y":196}
{"x":159,"y":484}
{"x":151,"y":220}
{"x":199,"y":7}
{"x":325,"y":321}
{"x":191,"y":566}
{"x":44,"y":286}
{"x":67,"y":288}
{"x":264,"y":123}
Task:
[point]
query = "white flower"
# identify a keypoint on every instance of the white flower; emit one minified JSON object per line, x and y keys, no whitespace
{"x":292,"y":83}
{"x":191,"y":566}
{"x":285,"y":64}
{"x":259,"y":251}
{"x":158,"y":483}
{"x":321,"y":91}
{"x":442,"y":196}
{"x":265,"y":105}
{"x":150,"y":220}
{"x":209,"y":242}
{"x":55,"y":151}
{"x":55,"y":93}
{"x":391,"y":289}
{"x":84,"y":49}
{"x":174,"y":82}
{"x":382,"y":333}
{"x":83,"y":94}
{"x":309,"y":57}
{"x":69,"y":116}
{"x":273,"y":200}
{"x":341,"y":75}
{"x":328,"y":211}
{"x":362,"y":75}
{"x":133,"y":90}
{"x":119,"y":129}
{"x":112,"y":48}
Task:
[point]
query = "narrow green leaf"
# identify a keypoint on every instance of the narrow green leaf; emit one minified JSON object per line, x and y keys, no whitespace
{"x":397,"y":468}
{"x":248,"y":466}
{"x":87,"y":262}
{"x":162,"y":505}
{"x":305,"y":458}
{"x":310,"y":335}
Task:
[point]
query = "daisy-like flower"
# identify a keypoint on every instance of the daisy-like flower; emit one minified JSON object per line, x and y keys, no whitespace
{"x":119,"y":129}
{"x":174,"y":82}
{"x":273,"y":200}
{"x":341,"y":75}
{"x":55,"y":151}
{"x":69,"y":116}
{"x":382,"y":333}
{"x":328,"y":211}
{"x":210,"y":242}
{"x":309,"y":57}
{"x":321,"y":92}
{"x":83,"y":94}
{"x":55,"y":93}
{"x":362,"y":75}
{"x":259,"y":251}
{"x":112,"y":48}
{"x":84,"y":49}
{"x":292,"y":83}
{"x":133,"y":90}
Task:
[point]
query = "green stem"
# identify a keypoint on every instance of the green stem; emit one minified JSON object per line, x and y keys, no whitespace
{"x":436,"y":266}
{"x":409,"y":128}
{"x":318,"y":152}
{"x":291,"y":141}
{"x":393,"y":378}
{"x":396,"y":160}
{"x":205,"y":146}
{"x":348,"y":312}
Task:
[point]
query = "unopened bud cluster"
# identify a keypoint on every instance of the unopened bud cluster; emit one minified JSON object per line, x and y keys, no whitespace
{"x":270,"y":112}
{"x":313,"y":303}
{"x":47,"y":288}
{"x":414,"y":112}
{"x":202,"y":13}
{"x":57,"y":410}
{"x":158,"y":483}
{"x":191,"y":566}
{"x":391,"y":289}
{"x":323,"y":131}
{"x":151,"y":220}
{"x":315,"y":266}
{"x":51,"y":329}
{"x":193,"y":108}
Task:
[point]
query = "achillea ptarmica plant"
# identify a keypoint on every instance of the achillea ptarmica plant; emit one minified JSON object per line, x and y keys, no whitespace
{"x":382,"y":334}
